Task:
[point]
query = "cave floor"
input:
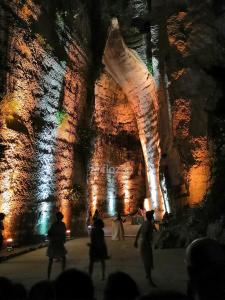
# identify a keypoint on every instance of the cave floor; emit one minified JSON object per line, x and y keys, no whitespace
{"x":169,"y":272}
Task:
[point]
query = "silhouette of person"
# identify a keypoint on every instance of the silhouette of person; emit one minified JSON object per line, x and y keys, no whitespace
{"x":146,"y":233}
{"x":119,"y":286}
{"x":96,"y":216}
{"x":2,"y":217}
{"x":117,"y":228}
{"x":6,"y":288}
{"x":57,"y":239}
{"x":42,"y":290}
{"x":165,"y":220}
{"x":164,"y":295}
{"x":205,"y":259}
{"x":98,"y":248}
{"x":19,"y":291}
{"x":74,"y":284}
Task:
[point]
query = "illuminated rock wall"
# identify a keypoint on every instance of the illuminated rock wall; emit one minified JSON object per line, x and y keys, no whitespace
{"x":42,"y":103}
{"x":189,"y":119}
{"x":116,"y":174}
{"x":46,"y":52}
{"x":132,"y":75}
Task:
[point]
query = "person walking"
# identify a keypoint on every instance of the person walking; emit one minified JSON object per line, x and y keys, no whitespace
{"x":117,"y":228}
{"x":2,"y":217}
{"x":98,"y":248}
{"x":146,"y":234}
{"x":57,"y":239}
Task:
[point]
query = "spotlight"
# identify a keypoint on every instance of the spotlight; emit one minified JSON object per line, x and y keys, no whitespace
{"x":68,"y":233}
{"x":9,"y":244}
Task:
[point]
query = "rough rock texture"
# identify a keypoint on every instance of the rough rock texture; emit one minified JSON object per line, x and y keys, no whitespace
{"x":116,"y":174}
{"x":132,"y":75}
{"x":161,"y":138}
{"x":194,"y":65}
{"x":44,"y":95}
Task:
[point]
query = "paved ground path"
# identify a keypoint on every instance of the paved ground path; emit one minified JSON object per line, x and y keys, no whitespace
{"x":169,"y":269}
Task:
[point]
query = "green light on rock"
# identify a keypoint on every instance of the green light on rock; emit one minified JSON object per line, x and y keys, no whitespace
{"x":150,"y":67}
{"x":60,"y":115}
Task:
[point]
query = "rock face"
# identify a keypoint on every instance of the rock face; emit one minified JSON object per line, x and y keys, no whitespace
{"x":116,"y":174}
{"x":139,"y":87}
{"x":91,"y":118}
{"x":194,"y":91}
{"x":194,"y":62}
{"x":44,"y":95}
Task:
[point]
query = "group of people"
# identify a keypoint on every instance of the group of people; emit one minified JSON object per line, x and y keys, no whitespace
{"x":97,"y":246}
{"x":205,"y":261}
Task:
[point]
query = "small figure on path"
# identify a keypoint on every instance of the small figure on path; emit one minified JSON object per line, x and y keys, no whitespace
{"x":165,"y":220}
{"x":146,"y":234}
{"x":98,"y":248}
{"x":2,"y":217}
{"x":89,"y":222}
{"x":117,"y":228}
{"x":57,"y":239}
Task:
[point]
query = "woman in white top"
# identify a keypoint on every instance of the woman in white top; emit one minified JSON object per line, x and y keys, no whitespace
{"x":117,"y":228}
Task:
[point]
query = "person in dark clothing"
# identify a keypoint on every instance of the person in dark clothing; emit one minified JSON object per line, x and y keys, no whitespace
{"x":42,"y":290}
{"x":98,"y":248}
{"x":96,"y":216}
{"x":163,"y":295}
{"x":19,"y":292}
{"x":205,"y":260}
{"x":6,"y":288}
{"x":57,"y":239}
{"x":2,"y":217}
{"x":74,"y":284}
{"x":120,"y":286}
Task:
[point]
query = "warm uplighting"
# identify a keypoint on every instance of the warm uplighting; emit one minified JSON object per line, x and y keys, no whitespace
{"x":65,"y":207}
{"x":199,"y":174}
{"x":68,"y":233}
{"x":147,"y":204}
{"x":129,"y":71}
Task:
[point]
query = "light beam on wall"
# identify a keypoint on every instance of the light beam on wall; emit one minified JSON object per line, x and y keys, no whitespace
{"x":47,"y":107}
{"x":44,"y":218}
{"x":165,"y":194}
{"x":111,"y":193}
{"x":130,"y":72}
{"x":155,"y":60}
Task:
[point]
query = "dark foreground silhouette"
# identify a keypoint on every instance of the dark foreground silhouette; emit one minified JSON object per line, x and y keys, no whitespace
{"x":205,"y":261}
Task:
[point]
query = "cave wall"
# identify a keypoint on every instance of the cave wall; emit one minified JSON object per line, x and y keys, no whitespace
{"x":45,"y":60}
{"x":117,"y":174}
{"x":68,"y":100}
{"x":190,"y":53}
